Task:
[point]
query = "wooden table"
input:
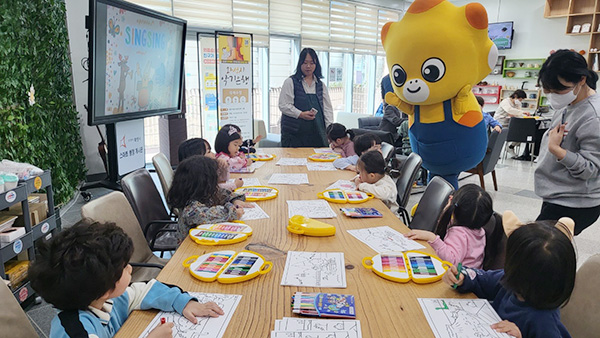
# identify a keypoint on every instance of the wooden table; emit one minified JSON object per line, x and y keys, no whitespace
{"x":384,"y":308}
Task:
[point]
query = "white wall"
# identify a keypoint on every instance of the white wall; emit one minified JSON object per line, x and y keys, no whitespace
{"x":76,"y":12}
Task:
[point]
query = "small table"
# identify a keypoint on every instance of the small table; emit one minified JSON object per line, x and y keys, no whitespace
{"x":384,"y":308}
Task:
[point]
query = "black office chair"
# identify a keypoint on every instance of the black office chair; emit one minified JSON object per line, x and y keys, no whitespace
{"x":371,"y":122}
{"x":404,"y":184}
{"x":158,"y":227}
{"x":383,"y":135}
{"x":521,"y":130}
{"x":432,"y":204}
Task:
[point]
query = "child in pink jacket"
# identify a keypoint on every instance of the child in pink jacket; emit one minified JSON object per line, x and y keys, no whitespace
{"x":461,"y":227}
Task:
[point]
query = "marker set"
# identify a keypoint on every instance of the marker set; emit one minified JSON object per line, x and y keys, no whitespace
{"x":260,"y":157}
{"x":221,"y":233}
{"x":342,"y":196}
{"x":258,"y":193}
{"x":227,"y":266}
{"x":317,"y":304}
{"x":402,"y":267}
{"x":324,"y":157}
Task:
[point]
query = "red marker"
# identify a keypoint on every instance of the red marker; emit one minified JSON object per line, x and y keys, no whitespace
{"x":163,"y":320}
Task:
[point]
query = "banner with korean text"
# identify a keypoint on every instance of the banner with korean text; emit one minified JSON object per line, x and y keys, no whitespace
{"x":234,"y":80}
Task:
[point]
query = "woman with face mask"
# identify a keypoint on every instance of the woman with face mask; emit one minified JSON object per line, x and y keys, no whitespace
{"x":567,"y":176}
{"x":511,"y":107}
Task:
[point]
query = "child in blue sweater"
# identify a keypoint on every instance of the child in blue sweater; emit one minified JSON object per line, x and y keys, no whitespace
{"x":84,"y":272}
{"x":538,"y":278}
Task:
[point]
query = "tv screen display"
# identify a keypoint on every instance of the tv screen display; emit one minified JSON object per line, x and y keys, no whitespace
{"x":136,"y":62}
{"x":501,"y":33}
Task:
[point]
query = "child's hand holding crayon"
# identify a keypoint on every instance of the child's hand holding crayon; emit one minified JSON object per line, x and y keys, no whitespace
{"x":453,"y":277}
{"x":194,"y":309}
{"x":163,"y":330}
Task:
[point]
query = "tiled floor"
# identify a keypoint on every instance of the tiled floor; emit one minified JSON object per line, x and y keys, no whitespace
{"x":515,"y":192}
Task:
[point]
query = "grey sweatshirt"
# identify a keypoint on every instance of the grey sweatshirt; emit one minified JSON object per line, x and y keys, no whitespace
{"x":573,"y":181}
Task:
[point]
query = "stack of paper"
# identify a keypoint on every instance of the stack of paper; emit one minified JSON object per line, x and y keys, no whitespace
{"x":316,"y":328}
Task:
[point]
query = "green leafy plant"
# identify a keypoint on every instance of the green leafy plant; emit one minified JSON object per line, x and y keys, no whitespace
{"x":34,"y":50}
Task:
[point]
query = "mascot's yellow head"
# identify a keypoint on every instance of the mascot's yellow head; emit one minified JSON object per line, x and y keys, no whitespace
{"x":436,"y":49}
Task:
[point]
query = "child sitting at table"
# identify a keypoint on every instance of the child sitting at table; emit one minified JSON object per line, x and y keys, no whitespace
{"x":362,"y":143}
{"x":372,"y":178}
{"x":340,"y":139}
{"x":227,"y":146}
{"x":195,"y":192}
{"x":84,"y":272}
{"x":538,"y":278}
{"x":461,"y":227}
{"x":199,"y":146}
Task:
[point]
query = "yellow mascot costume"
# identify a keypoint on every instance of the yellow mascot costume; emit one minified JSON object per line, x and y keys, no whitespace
{"x":435,"y":54}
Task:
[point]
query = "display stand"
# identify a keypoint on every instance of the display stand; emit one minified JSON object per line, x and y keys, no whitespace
{"x":44,"y":229}
{"x":112,"y":177}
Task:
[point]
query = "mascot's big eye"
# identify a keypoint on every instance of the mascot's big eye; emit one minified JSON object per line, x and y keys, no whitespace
{"x":398,"y":75}
{"x":433,"y":70}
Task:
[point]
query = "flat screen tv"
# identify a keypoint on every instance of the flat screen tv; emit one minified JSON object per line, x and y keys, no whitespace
{"x":501,"y":33}
{"x":135,"y":62}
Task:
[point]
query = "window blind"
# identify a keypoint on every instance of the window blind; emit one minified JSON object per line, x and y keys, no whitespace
{"x":315,"y":24}
{"x":384,"y":16}
{"x":285,"y":16}
{"x":342,"y":20}
{"x":366,"y":33}
{"x":163,"y":6}
{"x":252,"y":16}
{"x":215,"y":14}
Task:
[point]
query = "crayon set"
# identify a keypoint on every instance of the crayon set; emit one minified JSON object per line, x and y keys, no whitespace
{"x":220,"y":233}
{"x":227,"y":266}
{"x":420,"y":267}
{"x":323,"y":305}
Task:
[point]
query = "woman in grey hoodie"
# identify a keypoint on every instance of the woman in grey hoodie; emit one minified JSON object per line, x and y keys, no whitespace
{"x":567,"y":176}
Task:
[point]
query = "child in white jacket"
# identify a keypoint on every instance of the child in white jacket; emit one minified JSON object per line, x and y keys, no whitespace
{"x":372,"y":178}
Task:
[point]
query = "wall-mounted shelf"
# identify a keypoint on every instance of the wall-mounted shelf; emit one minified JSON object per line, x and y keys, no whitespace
{"x":522,"y":68}
{"x":490,"y":94}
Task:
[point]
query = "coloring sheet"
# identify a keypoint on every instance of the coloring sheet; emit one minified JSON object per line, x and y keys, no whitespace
{"x":320,"y":166}
{"x":206,"y":327}
{"x":256,"y":165}
{"x":310,"y":209}
{"x":323,"y":150}
{"x":250,"y":181}
{"x":316,"y":269}
{"x":460,"y":318}
{"x":291,"y":161}
{"x":314,"y":334}
{"x":254,"y":213}
{"x":385,"y":239}
{"x":288,"y":179}
{"x":342,"y":184}
{"x":296,"y":324}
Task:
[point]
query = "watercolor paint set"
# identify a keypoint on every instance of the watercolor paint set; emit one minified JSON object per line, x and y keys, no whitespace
{"x":227,"y":266}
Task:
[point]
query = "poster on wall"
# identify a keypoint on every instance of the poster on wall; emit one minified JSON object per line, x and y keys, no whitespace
{"x":234,"y":81}
{"x":208,"y":81}
{"x":130,"y":149}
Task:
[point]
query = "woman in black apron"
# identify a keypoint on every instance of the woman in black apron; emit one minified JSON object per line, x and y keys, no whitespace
{"x":305,"y":105}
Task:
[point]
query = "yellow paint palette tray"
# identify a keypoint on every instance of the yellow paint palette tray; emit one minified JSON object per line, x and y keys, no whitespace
{"x":258,"y":193}
{"x":324,"y":157}
{"x":260,"y":157}
{"x":227,"y":266}
{"x":220,"y":233}
{"x":402,"y":267}
{"x":301,"y":225}
{"x":342,"y":196}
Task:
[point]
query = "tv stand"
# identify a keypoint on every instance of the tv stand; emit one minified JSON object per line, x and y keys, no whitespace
{"x":112,"y":180}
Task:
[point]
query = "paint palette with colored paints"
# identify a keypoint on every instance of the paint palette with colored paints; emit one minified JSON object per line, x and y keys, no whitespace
{"x":342,"y":196}
{"x":258,"y":193}
{"x":260,"y":157}
{"x":324,"y":157}
{"x":220,"y":233}
{"x":227,"y":266}
{"x":402,"y":267}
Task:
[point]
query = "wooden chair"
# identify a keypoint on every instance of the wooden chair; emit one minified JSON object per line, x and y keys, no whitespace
{"x":580,"y":315}
{"x":488,"y":164}
{"x":432,"y":204}
{"x":115,"y":208}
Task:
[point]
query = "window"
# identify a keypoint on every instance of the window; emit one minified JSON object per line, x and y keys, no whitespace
{"x":283,"y":56}
{"x":340,"y":81}
{"x":193,"y":102}
{"x":363,"y":91}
